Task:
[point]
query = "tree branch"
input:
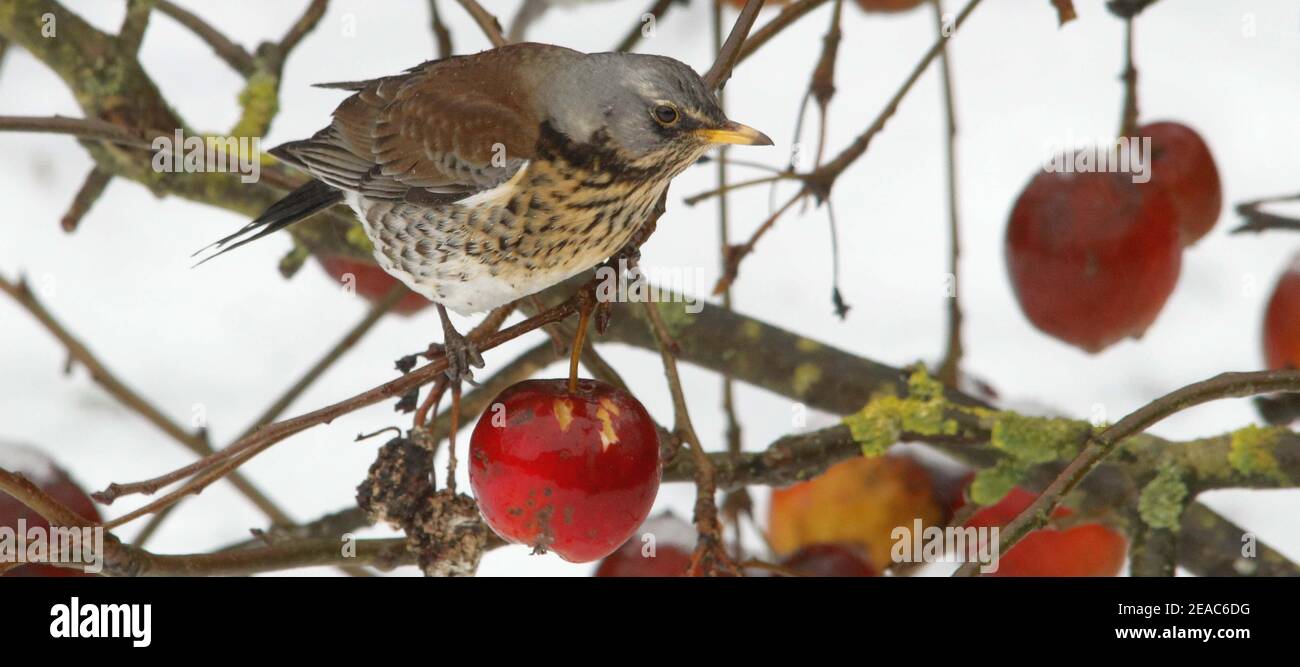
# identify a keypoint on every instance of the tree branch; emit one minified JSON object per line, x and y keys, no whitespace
{"x":486,"y":22}
{"x":1225,"y":385}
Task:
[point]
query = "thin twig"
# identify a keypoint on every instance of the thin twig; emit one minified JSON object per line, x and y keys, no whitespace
{"x":710,"y":554}
{"x":86,"y":128}
{"x":305,"y":24}
{"x":354,"y":335}
{"x":821,"y":180}
{"x":441,"y":35}
{"x":347,"y":342}
{"x":1258,"y":220}
{"x":789,"y":14}
{"x":223,"y":462}
{"x":729,"y":54}
{"x":1128,"y":121}
{"x":486,"y":22}
{"x":90,"y":191}
{"x":233,"y":54}
{"x":78,"y":352}
{"x":950,"y":368}
{"x":737,"y":501}
{"x":633,"y":37}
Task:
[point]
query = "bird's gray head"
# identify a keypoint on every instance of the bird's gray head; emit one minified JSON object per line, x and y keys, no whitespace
{"x":645,"y":104}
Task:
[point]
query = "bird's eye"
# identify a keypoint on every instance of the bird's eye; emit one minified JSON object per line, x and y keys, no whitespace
{"x":666,"y":114}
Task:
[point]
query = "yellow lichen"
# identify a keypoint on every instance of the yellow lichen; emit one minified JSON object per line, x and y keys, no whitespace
{"x":882,"y":420}
{"x":1250,"y":452}
{"x":991,"y":484}
{"x":805,"y":376}
{"x":1163,"y":498}
{"x":260,"y":101}
{"x":807,"y":345}
{"x":1035,"y":440}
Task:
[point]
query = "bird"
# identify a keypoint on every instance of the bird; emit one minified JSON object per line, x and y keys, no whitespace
{"x":483,"y":178}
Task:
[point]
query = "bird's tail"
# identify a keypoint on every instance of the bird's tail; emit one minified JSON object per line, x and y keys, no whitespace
{"x":297,"y":205}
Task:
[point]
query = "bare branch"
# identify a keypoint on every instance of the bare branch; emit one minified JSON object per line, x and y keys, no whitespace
{"x":633,"y":37}
{"x":85,"y":128}
{"x":486,"y":22}
{"x":729,"y":54}
{"x":233,"y":54}
{"x":305,"y":24}
{"x":90,"y":191}
{"x":441,"y":34}
{"x":78,"y":352}
{"x":1225,"y":385}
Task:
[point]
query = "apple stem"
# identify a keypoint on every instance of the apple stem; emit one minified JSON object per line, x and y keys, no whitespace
{"x":584,"y":314}
{"x":1129,"y":116}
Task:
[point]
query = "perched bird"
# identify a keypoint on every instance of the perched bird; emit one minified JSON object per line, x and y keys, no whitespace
{"x":481,"y":179}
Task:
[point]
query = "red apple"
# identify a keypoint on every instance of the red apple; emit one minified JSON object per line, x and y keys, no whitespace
{"x":1181,"y":165}
{"x":1282,"y":321}
{"x":371,"y":282}
{"x":830,"y":560}
{"x":1085,"y":550}
{"x":1092,"y":256}
{"x":53,"y":480}
{"x":662,"y":547}
{"x":570,"y":473}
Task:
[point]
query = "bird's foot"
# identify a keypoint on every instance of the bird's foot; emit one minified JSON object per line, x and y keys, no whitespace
{"x":462,"y":355}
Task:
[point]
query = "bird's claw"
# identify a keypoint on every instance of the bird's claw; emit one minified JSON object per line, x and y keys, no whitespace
{"x":462,"y":357}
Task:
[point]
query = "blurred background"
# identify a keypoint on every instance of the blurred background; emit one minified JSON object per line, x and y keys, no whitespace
{"x":222,"y":341}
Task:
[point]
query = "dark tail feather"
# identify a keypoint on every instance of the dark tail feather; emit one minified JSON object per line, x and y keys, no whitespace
{"x":295,"y":206}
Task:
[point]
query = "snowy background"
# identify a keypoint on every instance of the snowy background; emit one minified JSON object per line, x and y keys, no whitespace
{"x":228,"y":338}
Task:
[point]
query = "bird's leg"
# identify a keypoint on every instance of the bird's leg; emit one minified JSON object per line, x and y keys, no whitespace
{"x":460,"y":351}
{"x":586,"y":304}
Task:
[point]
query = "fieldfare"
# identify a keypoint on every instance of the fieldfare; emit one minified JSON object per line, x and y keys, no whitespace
{"x":481,"y":179}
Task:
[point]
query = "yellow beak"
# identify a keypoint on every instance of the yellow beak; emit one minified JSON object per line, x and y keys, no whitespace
{"x":734,"y":133}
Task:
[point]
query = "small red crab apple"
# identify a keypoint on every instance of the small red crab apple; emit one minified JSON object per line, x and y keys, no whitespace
{"x":1282,"y":320}
{"x":570,"y":471}
{"x":1182,"y":166}
{"x":1092,"y":256}
{"x":661,"y":547}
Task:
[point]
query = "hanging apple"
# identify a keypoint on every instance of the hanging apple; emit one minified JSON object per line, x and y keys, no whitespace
{"x":661,"y":547}
{"x":1092,"y":256}
{"x":1083,"y":550}
{"x":1182,"y":166}
{"x":569,"y":472}
{"x":1282,"y":321}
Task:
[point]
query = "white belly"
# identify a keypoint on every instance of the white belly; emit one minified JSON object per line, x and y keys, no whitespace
{"x":473,"y":289}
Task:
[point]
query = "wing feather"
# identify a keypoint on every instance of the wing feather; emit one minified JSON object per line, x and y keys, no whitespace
{"x":449,"y":127}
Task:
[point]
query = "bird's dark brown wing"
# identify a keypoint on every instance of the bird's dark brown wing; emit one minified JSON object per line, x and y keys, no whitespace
{"x":452,"y":127}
